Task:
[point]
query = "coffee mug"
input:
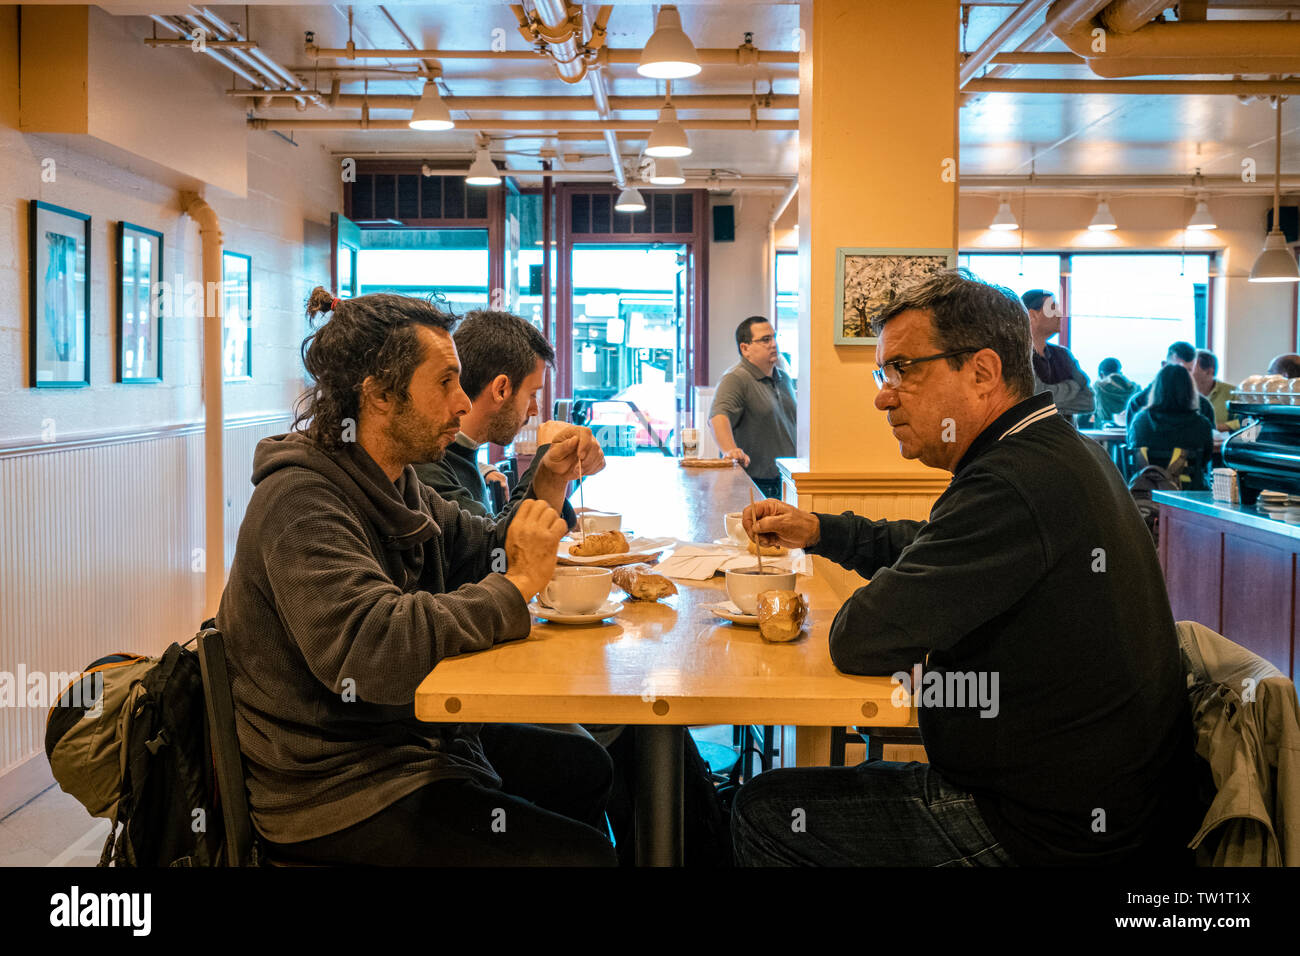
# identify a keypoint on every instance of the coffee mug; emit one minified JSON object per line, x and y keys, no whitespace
{"x":578,"y":590}
{"x":745,"y":584}
{"x":735,"y":525}
{"x":601,"y":521}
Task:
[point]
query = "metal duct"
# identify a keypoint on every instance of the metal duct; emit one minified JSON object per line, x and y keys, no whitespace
{"x":1221,"y":46}
{"x":1001,"y":34}
{"x":1129,"y":16}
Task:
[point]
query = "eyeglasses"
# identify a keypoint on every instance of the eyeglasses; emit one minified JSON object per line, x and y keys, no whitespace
{"x":891,"y":373}
{"x":763,"y":341}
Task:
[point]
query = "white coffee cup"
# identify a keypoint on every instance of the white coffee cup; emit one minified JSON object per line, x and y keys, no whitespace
{"x":601,"y":521}
{"x":744,"y":585}
{"x":690,"y":442}
{"x":736,"y":527}
{"x":578,"y":590}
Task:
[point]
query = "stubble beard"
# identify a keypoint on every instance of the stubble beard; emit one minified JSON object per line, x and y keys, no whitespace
{"x":414,"y":437}
{"x":503,"y":426}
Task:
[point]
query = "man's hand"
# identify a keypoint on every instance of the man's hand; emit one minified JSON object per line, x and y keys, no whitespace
{"x":737,"y":453}
{"x":497,"y":478}
{"x":548,"y":432}
{"x":772,"y":522}
{"x":568,"y":448}
{"x":532,"y":543}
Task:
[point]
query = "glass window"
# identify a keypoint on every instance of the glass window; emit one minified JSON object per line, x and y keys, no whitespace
{"x":1132,"y":307}
{"x":237,"y":317}
{"x":419,"y":262}
{"x":787,"y":309}
{"x":1018,"y":273}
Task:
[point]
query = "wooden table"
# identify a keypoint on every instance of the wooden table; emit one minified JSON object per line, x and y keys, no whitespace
{"x":666,"y":664}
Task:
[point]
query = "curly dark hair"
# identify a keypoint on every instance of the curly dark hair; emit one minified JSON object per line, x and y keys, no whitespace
{"x":370,"y":335}
{"x":498,"y":343}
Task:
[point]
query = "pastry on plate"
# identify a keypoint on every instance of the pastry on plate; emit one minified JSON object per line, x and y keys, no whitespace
{"x":769,"y":550}
{"x":599,"y":542}
{"x":642,"y":583}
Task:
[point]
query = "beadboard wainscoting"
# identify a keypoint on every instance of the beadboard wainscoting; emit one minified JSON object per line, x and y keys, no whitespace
{"x":101,"y":551}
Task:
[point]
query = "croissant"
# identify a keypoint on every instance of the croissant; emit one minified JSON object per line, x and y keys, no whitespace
{"x":769,"y":550}
{"x":599,"y":542}
{"x":642,"y":584}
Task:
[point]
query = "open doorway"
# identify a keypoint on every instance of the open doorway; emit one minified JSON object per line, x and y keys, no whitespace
{"x":628,"y":351}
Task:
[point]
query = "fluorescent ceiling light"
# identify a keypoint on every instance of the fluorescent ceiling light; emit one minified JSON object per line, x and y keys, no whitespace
{"x":666,"y":172}
{"x":431,"y":112}
{"x":483,"y":172}
{"x":1275,"y":263}
{"x":668,"y":138}
{"x":1202,"y":218}
{"x":1102,"y":220}
{"x":670,"y":54}
{"x":1004,"y":220}
{"x":630,"y":200}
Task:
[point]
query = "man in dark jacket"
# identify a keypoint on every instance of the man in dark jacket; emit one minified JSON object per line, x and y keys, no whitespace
{"x":1180,"y":353}
{"x":1027,"y":620}
{"x":504,"y":360}
{"x":351,"y":581}
{"x":1055,"y":368}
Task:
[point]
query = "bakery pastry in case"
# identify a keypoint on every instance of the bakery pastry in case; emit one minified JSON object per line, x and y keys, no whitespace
{"x":642,"y":583}
{"x":599,"y":542}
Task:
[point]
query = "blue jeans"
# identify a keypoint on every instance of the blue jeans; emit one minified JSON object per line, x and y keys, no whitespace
{"x":878,"y":813}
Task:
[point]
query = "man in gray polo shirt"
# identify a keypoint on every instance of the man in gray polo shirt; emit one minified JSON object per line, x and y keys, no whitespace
{"x":753,"y":413}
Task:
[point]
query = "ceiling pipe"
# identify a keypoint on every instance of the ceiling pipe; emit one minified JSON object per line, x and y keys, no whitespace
{"x":1004,"y":32}
{"x":714,"y":57}
{"x":1091,"y":185}
{"x":1025,"y":55}
{"x":556,"y":16}
{"x":216,"y":55}
{"x":1001,"y":70}
{"x":214,"y":26}
{"x":1140,"y":87}
{"x":542,"y":125}
{"x":535,"y":104}
{"x":1186,"y":47}
{"x":1129,"y":16}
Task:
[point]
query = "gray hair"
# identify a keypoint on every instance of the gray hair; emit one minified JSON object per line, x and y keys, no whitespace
{"x":968,"y":313}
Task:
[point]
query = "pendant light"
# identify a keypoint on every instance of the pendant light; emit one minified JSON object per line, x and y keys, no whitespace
{"x":431,"y":112}
{"x":1102,"y":220}
{"x":1202,"y":219}
{"x":1275,"y":263}
{"x":670,"y":54}
{"x":666,"y":172}
{"x":483,"y":172}
{"x":1004,"y":221}
{"x":668,"y":138}
{"x":630,"y":200}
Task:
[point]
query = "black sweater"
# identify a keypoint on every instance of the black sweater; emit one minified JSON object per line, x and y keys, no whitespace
{"x":1036,"y":567}
{"x":456,"y":478}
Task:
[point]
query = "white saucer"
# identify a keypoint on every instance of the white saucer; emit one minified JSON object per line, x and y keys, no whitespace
{"x":542,"y":612}
{"x":728,"y":542}
{"x":729,"y":611}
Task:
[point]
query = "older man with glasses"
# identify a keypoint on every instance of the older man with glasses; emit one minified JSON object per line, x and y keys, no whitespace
{"x":753,"y":413}
{"x":1026,"y":620}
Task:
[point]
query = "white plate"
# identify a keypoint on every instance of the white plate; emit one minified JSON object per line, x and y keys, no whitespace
{"x":634,"y":546}
{"x":729,"y":611}
{"x":542,"y":612}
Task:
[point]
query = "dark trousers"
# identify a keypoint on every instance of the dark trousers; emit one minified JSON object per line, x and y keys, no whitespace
{"x":878,"y":813}
{"x":550,"y":811}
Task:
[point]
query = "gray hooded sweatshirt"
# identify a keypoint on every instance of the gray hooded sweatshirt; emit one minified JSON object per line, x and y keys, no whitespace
{"x":345,"y":591}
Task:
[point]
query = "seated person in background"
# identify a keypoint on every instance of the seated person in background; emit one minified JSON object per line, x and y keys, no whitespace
{"x":1172,"y":420}
{"x":1112,"y":389}
{"x":1219,"y":393}
{"x":352,"y":580}
{"x":1055,"y":369}
{"x":1180,"y":353}
{"x":1287,"y":364}
{"x":503,"y":368}
{"x":1028,"y":617}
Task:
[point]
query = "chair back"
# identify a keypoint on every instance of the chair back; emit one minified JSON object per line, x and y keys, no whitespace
{"x":239,"y":850}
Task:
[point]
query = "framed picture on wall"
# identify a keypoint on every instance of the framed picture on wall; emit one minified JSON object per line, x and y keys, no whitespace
{"x":237,"y":318}
{"x":867,"y":280}
{"x":59,"y":293}
{"x":139,"y":304}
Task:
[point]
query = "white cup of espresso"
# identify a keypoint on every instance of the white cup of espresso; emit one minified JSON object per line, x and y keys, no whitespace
{"x":578,"y":590}
{"x":736,"y":527}
{"x":744,"y":585}
{"x":593,"y":521}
